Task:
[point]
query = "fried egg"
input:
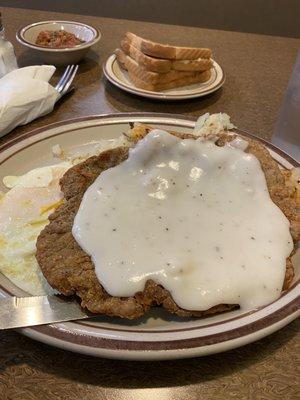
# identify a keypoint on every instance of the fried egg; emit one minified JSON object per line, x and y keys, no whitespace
{"x":24,"y":212}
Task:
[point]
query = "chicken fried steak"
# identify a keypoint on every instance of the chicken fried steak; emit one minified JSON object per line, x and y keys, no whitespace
{"x":70,"y":270}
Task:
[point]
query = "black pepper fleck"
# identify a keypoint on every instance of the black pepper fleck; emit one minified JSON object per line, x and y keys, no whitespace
{"x":252,"y":238}
{"x":114,"y":229}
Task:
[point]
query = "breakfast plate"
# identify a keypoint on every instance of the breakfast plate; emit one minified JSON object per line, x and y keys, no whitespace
{"x":118,"y":77}
{"x":158,"y":335}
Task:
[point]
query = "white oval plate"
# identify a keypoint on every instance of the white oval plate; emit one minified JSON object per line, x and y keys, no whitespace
{"x":120,"y":78}
{"x":158,"y":335}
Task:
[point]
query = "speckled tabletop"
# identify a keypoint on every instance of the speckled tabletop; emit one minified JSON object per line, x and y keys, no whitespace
{"x":258,"y":69}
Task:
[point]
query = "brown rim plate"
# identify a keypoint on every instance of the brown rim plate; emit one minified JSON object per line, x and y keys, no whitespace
{"x":157,"y":335}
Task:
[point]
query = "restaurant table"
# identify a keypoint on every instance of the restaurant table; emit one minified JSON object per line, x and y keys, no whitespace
{"x":257,"y":72}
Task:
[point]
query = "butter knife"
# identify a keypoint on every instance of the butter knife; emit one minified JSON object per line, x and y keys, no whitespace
{"x":21,"y":312}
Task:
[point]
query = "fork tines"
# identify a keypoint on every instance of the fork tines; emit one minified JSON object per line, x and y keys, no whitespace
{"x":66,"y":79}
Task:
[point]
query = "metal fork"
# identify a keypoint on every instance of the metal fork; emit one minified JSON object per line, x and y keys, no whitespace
{"x":65,"y":82}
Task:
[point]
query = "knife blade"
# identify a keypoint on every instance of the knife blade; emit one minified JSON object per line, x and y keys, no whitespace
{"x":21,"y":312}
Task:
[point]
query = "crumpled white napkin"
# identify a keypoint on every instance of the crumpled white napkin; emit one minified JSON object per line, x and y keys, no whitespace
{"x":25,"y":94}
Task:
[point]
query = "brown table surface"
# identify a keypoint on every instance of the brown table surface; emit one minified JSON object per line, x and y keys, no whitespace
{"x":258,"y":69}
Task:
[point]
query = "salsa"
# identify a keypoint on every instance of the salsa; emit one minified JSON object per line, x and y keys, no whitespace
{"x":57,"y":39}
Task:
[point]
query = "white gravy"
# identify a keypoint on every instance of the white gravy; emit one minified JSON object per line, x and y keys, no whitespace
{"x":192,"y":216}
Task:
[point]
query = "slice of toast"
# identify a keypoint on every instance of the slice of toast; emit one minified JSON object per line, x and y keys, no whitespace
{"x":198,"y":77}
{"x":166,"y":51}
{"x":201,"y":64}
{"x":150,"y":63}
{"x":163,"y":65}
{"x":152,"y":78}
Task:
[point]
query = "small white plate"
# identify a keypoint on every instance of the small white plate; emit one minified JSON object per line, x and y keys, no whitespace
{"x":120,"y":78}
{"x":158,"y":335}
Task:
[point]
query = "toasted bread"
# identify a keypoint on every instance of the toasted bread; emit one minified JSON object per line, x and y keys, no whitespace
{"x":150,"y":63}
{"x":198,"y":77}
{"x":149,"y":77}
{"x":162,"y":65}
{"x":201,"y":64}
{"x":166,"y":51}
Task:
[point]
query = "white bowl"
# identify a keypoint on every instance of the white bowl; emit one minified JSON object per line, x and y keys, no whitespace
{"x":67,"y":55}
